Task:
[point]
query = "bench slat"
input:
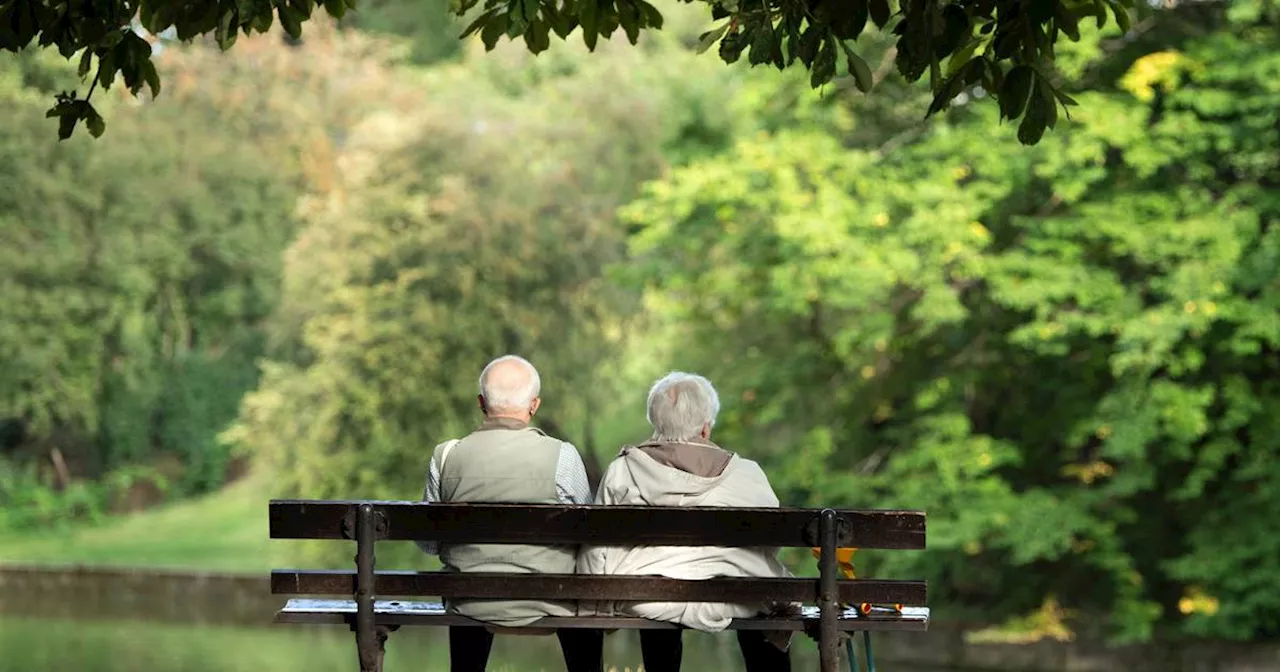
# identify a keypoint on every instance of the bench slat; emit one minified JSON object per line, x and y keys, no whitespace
{"x":593,"y":587}
{"x":392,"y":612}
{"x":622,"y":525}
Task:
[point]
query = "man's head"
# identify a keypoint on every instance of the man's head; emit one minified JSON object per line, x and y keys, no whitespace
{"x":682,"y":407}
{"x":509,"y":388}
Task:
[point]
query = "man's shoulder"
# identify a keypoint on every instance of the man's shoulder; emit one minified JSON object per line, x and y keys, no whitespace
{"x":567,"y":447}
{"x":442,"y":444}
{"x":558,"y":443}
{"x":437,"y":453}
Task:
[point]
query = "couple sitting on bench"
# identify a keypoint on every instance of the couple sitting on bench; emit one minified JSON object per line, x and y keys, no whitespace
{"x":508,"y":461}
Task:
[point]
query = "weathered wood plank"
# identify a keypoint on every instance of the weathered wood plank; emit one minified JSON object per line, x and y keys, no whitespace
{"x":406,"y":613}
{"x":622,"y":525}
{"x":593,"y":587}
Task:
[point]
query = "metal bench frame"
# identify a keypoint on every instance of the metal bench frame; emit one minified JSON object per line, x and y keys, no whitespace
{"x":367,"y":522}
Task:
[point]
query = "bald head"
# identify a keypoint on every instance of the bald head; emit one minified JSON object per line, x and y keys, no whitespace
{"x":509,"y":388}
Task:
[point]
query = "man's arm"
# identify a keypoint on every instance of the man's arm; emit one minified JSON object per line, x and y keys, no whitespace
{"x":572,"y":486}
{"x":430,"y":495}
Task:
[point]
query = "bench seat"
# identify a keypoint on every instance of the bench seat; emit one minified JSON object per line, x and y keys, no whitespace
{"x":409,"y":612}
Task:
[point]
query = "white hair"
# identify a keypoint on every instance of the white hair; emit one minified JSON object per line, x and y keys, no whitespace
{"x":680,"y":405}
{"x":505,"y":394}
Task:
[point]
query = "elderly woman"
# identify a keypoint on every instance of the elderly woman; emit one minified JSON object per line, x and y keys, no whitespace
{"x":680,"y":466}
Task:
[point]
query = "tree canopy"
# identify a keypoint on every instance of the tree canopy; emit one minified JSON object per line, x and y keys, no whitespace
{"x":1004,"y":47}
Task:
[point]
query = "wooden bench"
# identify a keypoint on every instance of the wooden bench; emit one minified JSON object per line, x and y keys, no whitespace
{"x":367,"y":522}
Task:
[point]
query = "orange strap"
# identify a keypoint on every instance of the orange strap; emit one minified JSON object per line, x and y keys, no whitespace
{"x":844,"y":561}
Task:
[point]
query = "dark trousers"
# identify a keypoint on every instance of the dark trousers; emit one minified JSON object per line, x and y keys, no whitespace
{"x":469,"y":649}
{"x":662,"y":651}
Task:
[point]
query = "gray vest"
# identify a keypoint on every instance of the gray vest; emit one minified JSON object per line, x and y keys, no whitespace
{"x":505,"y":462}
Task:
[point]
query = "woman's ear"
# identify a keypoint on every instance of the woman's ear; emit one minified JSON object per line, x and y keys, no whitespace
{"x":706,"y":431}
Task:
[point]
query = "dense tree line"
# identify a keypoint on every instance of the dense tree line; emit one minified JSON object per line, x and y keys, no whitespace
{"x":138,"y":273}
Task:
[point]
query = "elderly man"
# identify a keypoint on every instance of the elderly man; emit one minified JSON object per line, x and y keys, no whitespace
{"x":506,"y":460}
{"x":680,"y":466}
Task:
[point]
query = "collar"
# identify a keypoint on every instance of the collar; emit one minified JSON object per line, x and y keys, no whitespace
{"x":655,"y":443}
{"x":511,"y":424}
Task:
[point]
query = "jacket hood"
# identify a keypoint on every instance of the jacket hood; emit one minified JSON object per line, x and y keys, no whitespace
{"x":651,"y":468}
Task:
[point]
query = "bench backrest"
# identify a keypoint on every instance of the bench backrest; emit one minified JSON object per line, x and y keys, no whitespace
{"x":617,"y":525}
{"x":604,"y":525}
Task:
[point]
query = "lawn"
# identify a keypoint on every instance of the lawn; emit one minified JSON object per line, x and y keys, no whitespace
{"x":222,"y":531}
{"x":225,"y":531}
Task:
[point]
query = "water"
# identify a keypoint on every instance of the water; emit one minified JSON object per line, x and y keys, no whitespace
{"x":118,"y":645}
{"x":127,"y":620}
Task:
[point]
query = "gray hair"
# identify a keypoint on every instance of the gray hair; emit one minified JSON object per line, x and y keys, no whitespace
{"x":680,"y":404}
{"x":509,"y":393}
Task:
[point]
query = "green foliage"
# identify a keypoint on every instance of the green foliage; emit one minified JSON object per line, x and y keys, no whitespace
{"x":27,"y":502}
{"x":474,"y":222}
{"x":201,"y":397}
{"x":1007,"y":48}
{"x":428,"y":26}
{"x":136,"y":272}
{"x":1066,"y":355}
{"x":139,"y":272}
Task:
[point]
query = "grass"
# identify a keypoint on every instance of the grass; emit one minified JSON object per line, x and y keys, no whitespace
{"x":222,"y":531}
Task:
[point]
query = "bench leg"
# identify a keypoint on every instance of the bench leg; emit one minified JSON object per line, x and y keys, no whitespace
{"x":828,"y":594}
{"x":370,"y":638}
{"x":371,"y":652}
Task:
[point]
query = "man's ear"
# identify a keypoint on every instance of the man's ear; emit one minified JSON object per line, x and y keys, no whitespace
{"x":483,"y":408}
{"x":534,"y":405}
